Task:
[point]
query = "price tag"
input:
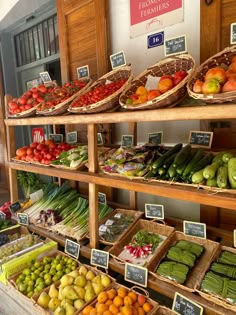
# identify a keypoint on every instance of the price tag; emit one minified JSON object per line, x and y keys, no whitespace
{"x":72,"y":248}
{"x":155,"y":137}
{"x":99,"y":138}
{"x":136,"y":274}
{"x":109,"y":222}
{"x":154,"y":211}
{"x":57,"y":138}
{"x":234,"y":238}
{"x":102,"y":198}
{"x":23,"y":218}
{"x":103,"y":228}
{"x":182,"y":305}
{"x":127,"y":140}
{"x":194,"y":229}
{"x":45,"y":77}
{"x":233,"y":33}
{"x":2,"y":216}
{"x":37,"y":195}
{"x":200,"y":138}
{"x":118,"y":60}
{"x":15,"y":206}
{"x":175,"y":45}
{"x":71,"y":137}
{"x":83,"y":72}
{"x":99,"y":258}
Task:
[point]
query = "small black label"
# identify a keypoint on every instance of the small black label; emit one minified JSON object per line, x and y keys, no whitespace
{"x":195,"y":229}
{"x":127,"y":140}
{"x":2,"y":216}
{"x":117,"y":60}
{"x":136,"y":274}
{"x":175,"y":45}
{"x":23,"y":218}
{"x":102,"y":198}
{"x":83,"y":72}
{"x":99,"y":138}
{"x":154,"y":211}
{"x":184,"y":306}
{"x":71,"y":137}
{"x":15,"y":206}
{"x":200,"y":138}
{"x":233,"y":33}
{"x":99,"y":258}
{"x":72,"y":248}
{"x":45,"y":77}
{"x":57,"y":138}
{"x":155,"y":137}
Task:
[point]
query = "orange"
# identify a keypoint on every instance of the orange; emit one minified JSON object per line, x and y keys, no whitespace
{"x":133,"y":296}
{"x":147,"y":307}
{"x":87,"y":309}
{"x":141,"y":311}
{"x":111,"y":294}
{"x":108,"y":302}
{"x":107,"y":313}
{"x":128,"y":300}
{"x":93,"y":312}
{"x":127,"y":310}
{"x":102,"y":297}
{"x":101,"y":308}
{"x":118,"y":301}
{"x":113,"y":309}
{"x":141,"y":90}
{"x":122,"y":292}
{"x":135,"y":311}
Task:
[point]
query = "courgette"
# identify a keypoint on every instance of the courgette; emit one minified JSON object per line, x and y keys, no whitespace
{"x":232,"y":172}
{"x":169,"y":161}
{"x":196,"y":158}
{"x":210,"y":170}
{"x":182,"y":155}
{"x":222,"y":176}
{"x":161,"y":171}
{"x":202,"y":163}
{"x":211,"y":182}
{"x":218,"y":158}
{"x":160,"y":161}
{"x":197,"y":177}
{"x":181,"y":168}
{"x":227,"y":156}
{"x":171,"y":171}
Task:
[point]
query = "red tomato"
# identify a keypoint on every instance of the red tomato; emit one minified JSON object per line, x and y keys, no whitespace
{"x":42,"y":89}
{"x":179,"y":76}
{"x":12,"y":105}
{"x":22,"y":100}
{"x":35,"y":95}
{"x":33,"y":145}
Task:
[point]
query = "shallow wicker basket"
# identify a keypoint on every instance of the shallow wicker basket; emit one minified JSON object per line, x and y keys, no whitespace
{"x":110,"y":103}
{"x":27,"y":113}
{"x":166,"y":66}
{"x":222,"y":58}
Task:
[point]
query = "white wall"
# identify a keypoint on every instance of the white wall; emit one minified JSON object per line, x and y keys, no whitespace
{"x":140,"y":57}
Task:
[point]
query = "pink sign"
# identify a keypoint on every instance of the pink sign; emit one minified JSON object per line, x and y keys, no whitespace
{"x":38,"y":134}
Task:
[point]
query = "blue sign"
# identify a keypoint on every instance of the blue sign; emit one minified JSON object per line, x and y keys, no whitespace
{"x":155,"y":40}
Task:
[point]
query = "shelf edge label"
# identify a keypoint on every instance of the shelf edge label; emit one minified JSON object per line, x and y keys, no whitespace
{"x":194,"y":229}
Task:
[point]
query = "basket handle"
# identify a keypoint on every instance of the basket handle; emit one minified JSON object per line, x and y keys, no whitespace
{"x":141,"y":289}
{"x":117,"y":260}
{"x":159,"y":220}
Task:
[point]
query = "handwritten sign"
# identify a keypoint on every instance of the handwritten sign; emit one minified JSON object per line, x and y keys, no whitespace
{"x":182,"y":305}
{"x":83,"y":72}
{"x":194,"y":229}
{"x":99,"y":138}
{"x":56,"y":137}
{"x":23,"y":218}
{"x":200,"y":138}
{"x":154,"y":211}
{"x":15,"y":206}
{"x":155,"y":137}
{"x":72,"y":248}
{"x":233,"y":33}
{"x":176,"y":45}
{"x":102,"y":198}
{"x":99,"y":258}
{"x":127,"y":140}
{"x":118,"y":60}
{"x":45,"y":77}
{"x":136,"y":274}
{"x":71,"y":137}
{"x":2,"y":216}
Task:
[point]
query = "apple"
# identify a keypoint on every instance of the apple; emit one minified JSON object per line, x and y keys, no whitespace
{"x":217,"y":73}
{"x":197,"y":87}
{"x":211,"y":86}
{"x":229,"y":86}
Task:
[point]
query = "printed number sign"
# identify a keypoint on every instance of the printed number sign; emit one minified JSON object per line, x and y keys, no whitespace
{"x":127,"y":140}
{"x":155,"y":137}
{"x":72,"y":248}
{"x":71,"y":137}
{"x":102,"y":198}
{"x":182,"y":305}
{"x":83,"y":72}
{"x":99,"y":138}
{"x":99,"y":258}
{"x":45,"y":77}
{"x":136,"y":274}
{"x":174,"y":46}
{"x":57,"y":138}
{"x":118,"y":60}
{"x":200,"y":138}
{"x":23,"y":218}
{"x":194,"y":229}
{"x":154,"y":211}
{"x":15,"y":206}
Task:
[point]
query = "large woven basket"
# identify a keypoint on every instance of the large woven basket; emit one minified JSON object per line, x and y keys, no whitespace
{"x":166,"y":66}
{"x":110,"y":103}
{"x":222,"y":58}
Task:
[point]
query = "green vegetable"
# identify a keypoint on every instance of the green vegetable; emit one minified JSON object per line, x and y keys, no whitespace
{"x":182,"y":256}
{"x":29,"y":182}
{"x":232,"y":172}
{"x":161,"y":171}
{"x":197,"y":177}
{"x":194,"y":248}
{"x":211,"y":182}
{"x":226,"y":270}
{"x":144,"y":237}
{"x":182,"y":155}
{"x":228,"y":258}
{"x":227,"y":156}
{"x":196,"y":158}
{"x":173,"y":271}
{"x":169,"y":161}
{"x":171,"y":171}
{"x":160,"y":161}
{"x":222,"y":177}
{"x":218,"y":158}
{"x":202,"y":163}
{"x":210,"y":170}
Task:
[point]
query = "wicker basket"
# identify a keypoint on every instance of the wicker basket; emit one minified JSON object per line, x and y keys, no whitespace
{"x":110,"y":103}
{"x":210,"y":248}
{"x":162,"y":310}
{"x":62,"y":107}
{"x":222,"y":58}
{"x":172,"y":97}
{"x":161,"y":229}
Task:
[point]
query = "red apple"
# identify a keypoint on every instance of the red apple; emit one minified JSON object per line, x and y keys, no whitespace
{"x":229,"y":86}
{"x":211,"y":86}
{"x":197,"y":87}
{"x":217,"y":73}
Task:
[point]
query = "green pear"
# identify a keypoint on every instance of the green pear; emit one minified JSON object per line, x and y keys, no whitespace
{"x":69,"y":293}
{"x":88,"y":285}
{"x":66,"y":280}
{"x":74,"y":273}
{"x":43,"y":299}
{"x":59,"y":311}
{"x":97,"y":279}
{"x":90,"y":275}
{"x":97,"y":287}
{"x":105,"y":280}
{"x":64,"y":301}
{"x":54,"y":303}
{"x":83,"y":270}
{"x":70,"y":309}
{"x":80,"y":281}
{"x":53,"y":292}
{"x":78,"y":304}
{"x":80,"y":291}
{"x":89,"y":294}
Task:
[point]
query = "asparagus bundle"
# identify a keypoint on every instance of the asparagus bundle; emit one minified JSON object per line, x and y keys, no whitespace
{"x":181,"y":256}
{"x":173,"y":271}
{"x":221,"y":286}
{"x":193,"y":248}
{"x":226,"y":270}
{"x":227,"y":258}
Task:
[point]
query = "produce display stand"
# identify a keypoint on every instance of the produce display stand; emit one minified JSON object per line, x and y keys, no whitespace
{"x":221,"y":199}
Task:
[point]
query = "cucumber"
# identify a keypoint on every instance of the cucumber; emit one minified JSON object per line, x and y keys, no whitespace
{"x":181,"y":168}
{"x":161,"y":171}
{"x":232,"y":172}
{"x":169,"y":161}
{"x":196,"y":158}
{"x":227,"y":156}
{"x":171,"y":171}
{"x":218,"y":158}
{"x":207,"y":159}
{"x":197,"y":177}
{"x":222,"y":177}
{"x":210,"y":170}
{"x":211,"y":182}
{"x":182,"y":155}
{"x":160,"y":161}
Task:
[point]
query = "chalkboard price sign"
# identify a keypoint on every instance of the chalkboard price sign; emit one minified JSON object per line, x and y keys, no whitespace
{"x":118,"y":60}
{"x":183,"y":306}
{"x":234,"y":238}
{"x":83,"y":72}
{"x":233,"y":33}
{"x":155,"y":137}
{"x":23,"y":218}
{"x":71,"y":137}
{"x":127,"y":140}
{"x":102,"y":198}
{"x":174,"y":46}
{"x":136,"y":274}
{"x":72,"y":248}
{"x":15,"y":206}
{"x":2,"y":216}
{"x":45,"y":77}
{"x":200,"y":138}
{"x":99,"y":138}
{"x":99,"y":258}
{"x":57,"y":138}
{"x":154,"y":211}
{"x":194,"y":229}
